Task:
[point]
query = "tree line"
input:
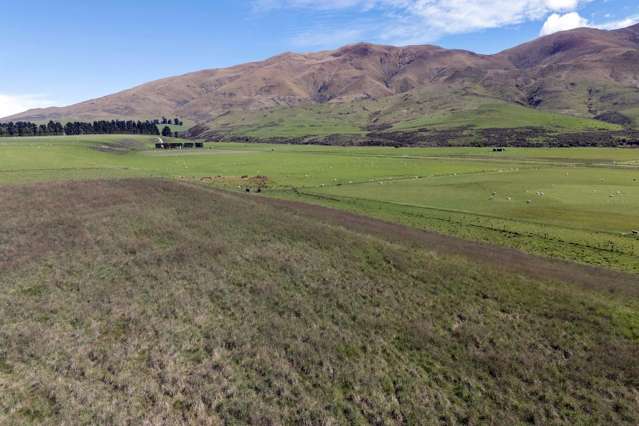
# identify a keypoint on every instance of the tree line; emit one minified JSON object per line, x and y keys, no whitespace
{"x":54,"y":128}
{"x":25,"y":128}
{"x":175,"y":121}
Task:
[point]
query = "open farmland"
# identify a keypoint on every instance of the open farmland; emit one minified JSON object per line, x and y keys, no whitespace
{"x":151,"y":301}
{"x":354,"y":235}
{"x":578,"y":204}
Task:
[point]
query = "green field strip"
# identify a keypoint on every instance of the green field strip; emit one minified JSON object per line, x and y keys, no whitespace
{"x":457,"y":211}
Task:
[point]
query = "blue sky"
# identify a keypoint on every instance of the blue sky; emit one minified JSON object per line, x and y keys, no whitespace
{"x":58,"y":53}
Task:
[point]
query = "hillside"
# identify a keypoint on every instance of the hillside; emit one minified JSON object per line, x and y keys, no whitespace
{"x":585,"y":73}
{"x":124,"y":303}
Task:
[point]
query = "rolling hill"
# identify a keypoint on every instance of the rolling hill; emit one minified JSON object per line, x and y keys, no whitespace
{"x":584,"y":73}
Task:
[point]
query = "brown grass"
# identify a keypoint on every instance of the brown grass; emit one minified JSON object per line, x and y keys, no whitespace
{"x":145,"y":301}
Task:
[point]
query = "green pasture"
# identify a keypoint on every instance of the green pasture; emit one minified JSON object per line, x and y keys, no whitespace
{"x":174,"y":127}
{"x":407,"y":112}
{"x":502,"y":115}
{"x":580,"y":204}
{"x":570,"y":197}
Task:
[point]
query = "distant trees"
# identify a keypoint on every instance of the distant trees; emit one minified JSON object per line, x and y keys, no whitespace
{"x":25,"y":128}
{"x":102,"y":127}
{"x":176,"y":121}
{"x":111,"y":127}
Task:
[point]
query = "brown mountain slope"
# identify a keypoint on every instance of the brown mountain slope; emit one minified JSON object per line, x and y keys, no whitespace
{"x":355,"y":72}
{"x":582,"y":72}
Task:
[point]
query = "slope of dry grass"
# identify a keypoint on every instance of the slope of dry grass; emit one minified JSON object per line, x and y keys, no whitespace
{"x":145,"y":301}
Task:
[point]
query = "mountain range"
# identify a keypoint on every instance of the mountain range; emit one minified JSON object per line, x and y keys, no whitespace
{"x":572,"y":79}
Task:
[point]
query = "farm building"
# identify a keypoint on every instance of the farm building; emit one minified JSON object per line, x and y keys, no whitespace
{"x":185,"y":145}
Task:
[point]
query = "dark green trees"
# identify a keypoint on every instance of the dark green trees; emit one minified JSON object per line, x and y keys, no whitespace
{"x":52,"y":128}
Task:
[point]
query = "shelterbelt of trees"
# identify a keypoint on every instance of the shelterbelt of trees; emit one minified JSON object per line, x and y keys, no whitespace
{"x":54,"y":128}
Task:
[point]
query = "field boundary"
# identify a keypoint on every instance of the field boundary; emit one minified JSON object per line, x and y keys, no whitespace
{"x":339,"y":198}
{"x":502,"y":258}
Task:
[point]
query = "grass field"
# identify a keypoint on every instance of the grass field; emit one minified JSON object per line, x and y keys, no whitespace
{"x":401,"y":112}
{"x":502,"y":115}
{"x":175,"y":127}
{"x":146,"y":301}
{"x":576,"y":204}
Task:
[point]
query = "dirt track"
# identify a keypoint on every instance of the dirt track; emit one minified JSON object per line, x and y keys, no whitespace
{"x":506,"y":259}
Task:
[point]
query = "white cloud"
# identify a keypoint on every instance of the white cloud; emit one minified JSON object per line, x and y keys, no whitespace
{"x":13,"y":104}
{"x":568,"y":21}
{"x":421,"y":21}
{"x":559,"y":5}
{"x":459,"y":16}
{"x":416,"y":21}
{"x":621,"y":23}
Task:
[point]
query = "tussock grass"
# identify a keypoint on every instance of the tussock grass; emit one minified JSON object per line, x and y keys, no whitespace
{"x":145,"y":301}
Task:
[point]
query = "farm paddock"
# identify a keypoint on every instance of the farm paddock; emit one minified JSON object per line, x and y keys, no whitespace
{"x":576,"y":204}
{"x":285,"y":317}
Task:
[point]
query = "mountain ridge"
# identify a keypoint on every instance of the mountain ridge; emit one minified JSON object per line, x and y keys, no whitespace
{"x":583,"y":72}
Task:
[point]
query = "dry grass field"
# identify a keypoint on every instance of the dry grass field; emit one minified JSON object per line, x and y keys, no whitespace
{"x":146,"y":301}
